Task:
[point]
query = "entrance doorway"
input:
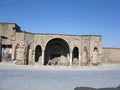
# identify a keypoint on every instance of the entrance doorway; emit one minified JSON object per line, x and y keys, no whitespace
{"x":6,"y":53}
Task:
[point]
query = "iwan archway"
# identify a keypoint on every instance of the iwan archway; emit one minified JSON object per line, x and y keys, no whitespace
{"x":56,"y":52}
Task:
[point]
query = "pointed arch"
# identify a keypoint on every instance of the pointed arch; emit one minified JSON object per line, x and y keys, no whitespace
{"x":75,"y":56}
{"x":38,"y":53}
{"x":56,"y":52}
{"x":95,"y":55}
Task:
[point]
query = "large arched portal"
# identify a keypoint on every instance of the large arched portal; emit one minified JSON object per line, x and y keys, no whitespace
{"x":56,"y":52}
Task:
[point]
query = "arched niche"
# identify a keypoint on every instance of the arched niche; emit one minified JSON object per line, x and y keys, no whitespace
{"x":75,"y":56}
{"x":38,"y":53}
{"x":95,"y":56}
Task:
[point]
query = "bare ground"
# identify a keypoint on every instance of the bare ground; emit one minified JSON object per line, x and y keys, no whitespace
{"x":35,"y":77}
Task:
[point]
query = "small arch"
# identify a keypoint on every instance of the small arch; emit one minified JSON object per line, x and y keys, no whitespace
{"x":75,"y":56}
{"x":38,"y":53}
{"x":95,"y":56}
{"x":95,"y":51}
{"x":20,"y":52}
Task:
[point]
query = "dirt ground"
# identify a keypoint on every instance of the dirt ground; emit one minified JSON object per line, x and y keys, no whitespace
{"x":19,"y":77}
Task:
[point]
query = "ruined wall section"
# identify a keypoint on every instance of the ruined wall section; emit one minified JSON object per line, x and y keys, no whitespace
{"x":29,"y":40}
{"x":90,"y":44}
{"x":75,"y":41}
{"x":19,"y":48}
{"x":23,"y":48}
{"x":7,"y":31}
{"x":8,"y":34}
{"x":85,"y":43}
{"x":85,"y":51}
{"x":43,"y":39}
{"x":111,"y":55}
{"x":72,"y":41}
{"x":95,"y":49}
{"x":96,"y":41}
{"x":29,"y":44}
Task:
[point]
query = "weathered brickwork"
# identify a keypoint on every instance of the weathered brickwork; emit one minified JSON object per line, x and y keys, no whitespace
{"x":49,"y":49}
{"x":111,"y":55}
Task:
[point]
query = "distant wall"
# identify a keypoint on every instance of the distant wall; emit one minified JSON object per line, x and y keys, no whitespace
{"x":111,"y":55}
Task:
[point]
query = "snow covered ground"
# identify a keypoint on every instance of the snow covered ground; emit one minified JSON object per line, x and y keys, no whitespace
{"x":18,"y":77}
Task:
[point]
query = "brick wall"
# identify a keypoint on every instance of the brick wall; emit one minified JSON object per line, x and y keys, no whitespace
{"x":111,"y":55}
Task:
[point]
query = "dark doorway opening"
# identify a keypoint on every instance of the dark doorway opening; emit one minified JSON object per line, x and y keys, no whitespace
{"x":38,"y":53}
{"x":6,"y":53}
{"x":75,"y":56}
{"x":52,"y":56}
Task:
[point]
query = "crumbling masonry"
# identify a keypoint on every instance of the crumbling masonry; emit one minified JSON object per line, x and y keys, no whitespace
{"x":52,"y":49}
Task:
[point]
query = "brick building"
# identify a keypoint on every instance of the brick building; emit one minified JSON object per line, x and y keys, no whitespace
{"x":53,"y":49}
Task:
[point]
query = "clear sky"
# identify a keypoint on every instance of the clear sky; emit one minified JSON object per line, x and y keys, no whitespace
{"x":76,"y":17}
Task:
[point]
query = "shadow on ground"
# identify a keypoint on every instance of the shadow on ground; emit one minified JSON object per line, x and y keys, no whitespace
{"x":89,"y":88}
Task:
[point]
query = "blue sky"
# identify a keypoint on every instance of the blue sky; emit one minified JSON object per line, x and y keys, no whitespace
{"x":77,"y":17}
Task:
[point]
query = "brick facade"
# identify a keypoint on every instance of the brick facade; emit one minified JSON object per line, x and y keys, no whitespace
{"x":48,"y":49}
